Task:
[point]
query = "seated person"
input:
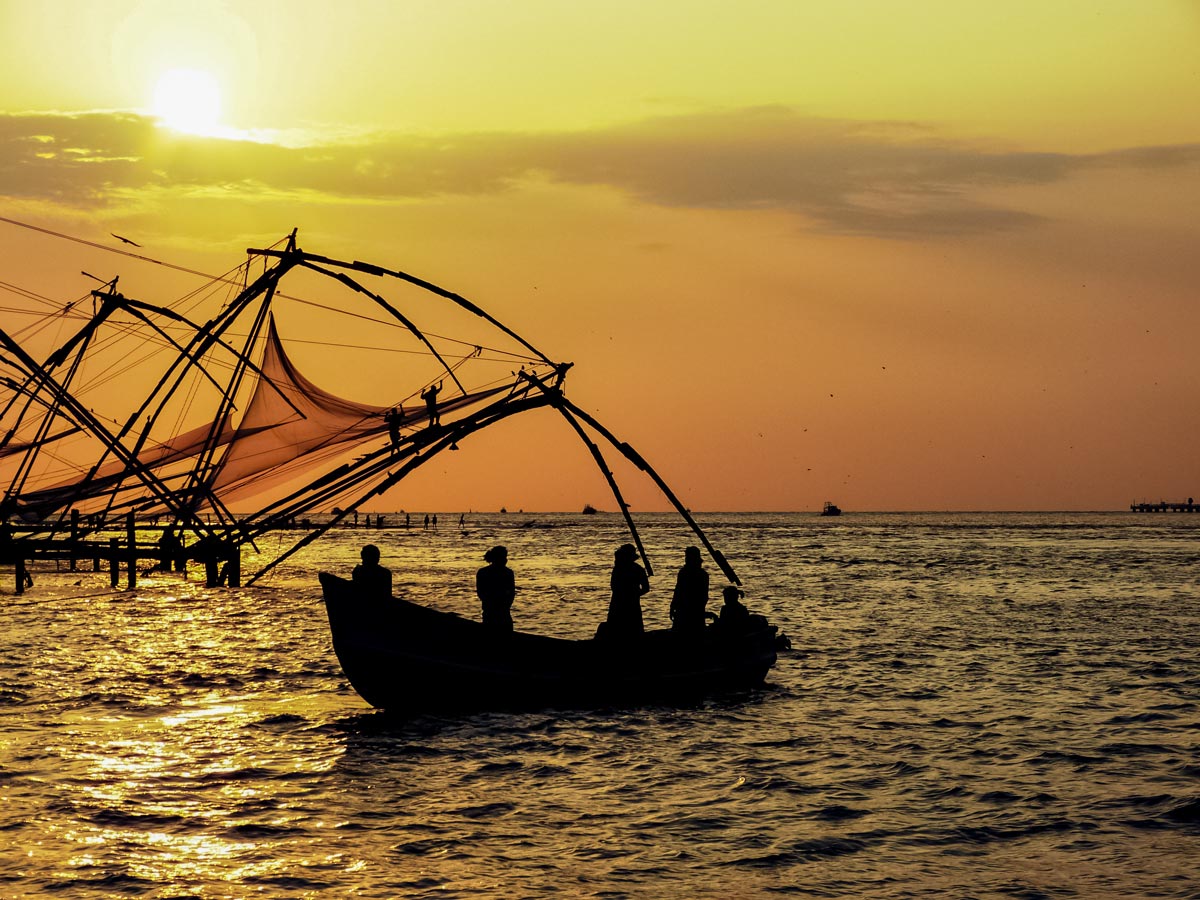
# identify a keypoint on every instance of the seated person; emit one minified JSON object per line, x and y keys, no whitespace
{"x":734,"y":615}
{"x":374,"y":579}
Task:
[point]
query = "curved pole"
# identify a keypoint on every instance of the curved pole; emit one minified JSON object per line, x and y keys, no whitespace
{"x":458,"y":299}
{"x":203,"y":338}
{"x":455,"y":433}
{"x":81,"y":339}
{"x":612,"y":483}
{"x":132,"y":306}
{"x":83,"y":417}
{"x":395,"y":313}
{"x":565,"y":406}
{"x":199,"y":487}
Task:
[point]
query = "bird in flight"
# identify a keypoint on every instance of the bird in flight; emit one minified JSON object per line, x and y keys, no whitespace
{"x":124,"y":239}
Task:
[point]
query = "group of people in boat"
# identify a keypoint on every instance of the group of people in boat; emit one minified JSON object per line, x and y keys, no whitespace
{"x":689,"y":600}
{"x":495,"y":585}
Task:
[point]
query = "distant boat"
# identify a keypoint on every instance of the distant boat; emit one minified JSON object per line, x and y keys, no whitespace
{"x":589,"y":510}
{"x":831,"y":509}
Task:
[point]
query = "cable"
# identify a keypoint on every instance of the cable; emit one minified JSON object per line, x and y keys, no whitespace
{"x":227,"y":280}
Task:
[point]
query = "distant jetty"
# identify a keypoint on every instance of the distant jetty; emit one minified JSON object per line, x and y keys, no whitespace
{"x":1189,"y":506}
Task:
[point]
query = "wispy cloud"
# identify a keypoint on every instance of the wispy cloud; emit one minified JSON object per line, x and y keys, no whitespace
{"x":878,"y":178}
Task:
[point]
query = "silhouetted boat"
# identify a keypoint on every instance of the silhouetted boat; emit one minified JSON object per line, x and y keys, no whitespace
{"x":589,"y":510}
{"x":404,"y":657}
{"x":831,"y":509}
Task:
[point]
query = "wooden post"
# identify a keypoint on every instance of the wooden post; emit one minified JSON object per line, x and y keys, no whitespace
{"x":235,"y":566}
{"x":114,"y":561}
{"x":131,"y":541}
{"x":74,"y":545}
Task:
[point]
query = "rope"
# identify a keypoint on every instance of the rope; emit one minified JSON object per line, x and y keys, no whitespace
{"x":230,"y":281}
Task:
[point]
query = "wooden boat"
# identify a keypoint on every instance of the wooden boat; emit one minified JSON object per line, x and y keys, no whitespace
{"x":407,"y":658}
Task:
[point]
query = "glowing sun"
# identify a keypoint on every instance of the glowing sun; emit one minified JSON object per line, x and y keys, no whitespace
{"x":188,"y":100}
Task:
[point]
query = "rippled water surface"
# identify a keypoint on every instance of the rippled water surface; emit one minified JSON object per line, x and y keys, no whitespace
{"x":976,"y":706}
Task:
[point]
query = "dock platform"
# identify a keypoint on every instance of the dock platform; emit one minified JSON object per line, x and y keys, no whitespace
{"x":21,"y":545}
{"x":1162,"y":506}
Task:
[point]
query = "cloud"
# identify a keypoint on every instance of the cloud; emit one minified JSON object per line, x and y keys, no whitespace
{"x":885,"y":179}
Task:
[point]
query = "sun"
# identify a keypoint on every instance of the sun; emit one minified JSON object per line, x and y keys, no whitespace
{"x":188,"y":100}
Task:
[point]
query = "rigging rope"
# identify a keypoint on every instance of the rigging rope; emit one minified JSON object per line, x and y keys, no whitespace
{"x":225,"y":278}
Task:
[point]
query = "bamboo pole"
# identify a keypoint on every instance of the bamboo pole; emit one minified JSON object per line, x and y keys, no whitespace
{"x":131,"y":541}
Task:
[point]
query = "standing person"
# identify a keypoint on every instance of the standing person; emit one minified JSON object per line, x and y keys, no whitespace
{"x":691,"y":594}
{"x":394,"y":418}
{"x":628,"y":583}
{"x":370,"y":576}
{"x":429,"y":395}
{"x":496,"y":587}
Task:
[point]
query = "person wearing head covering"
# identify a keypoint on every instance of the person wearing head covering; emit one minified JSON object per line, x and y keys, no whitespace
{"x":690,"y":596}
{"x":734,"y":615}
{"x":496,"y":587}
{"x":628,"y":583}
{"x":369,"y":575}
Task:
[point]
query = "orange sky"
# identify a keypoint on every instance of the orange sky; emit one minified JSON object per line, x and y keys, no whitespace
{"x":901,"y":256}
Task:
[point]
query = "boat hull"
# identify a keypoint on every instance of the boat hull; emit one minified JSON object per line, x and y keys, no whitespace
{"x":404,"y":657}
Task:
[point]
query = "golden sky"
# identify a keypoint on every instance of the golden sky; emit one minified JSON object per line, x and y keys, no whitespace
{"x":927,"y":255}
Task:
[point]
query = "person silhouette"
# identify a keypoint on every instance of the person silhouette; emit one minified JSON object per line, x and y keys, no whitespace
{"x":169,"y":547}
{"x":691,"y":594}
{"x":628,"y":582}
{"x":496,"y":587}
{"x":429,"y":395}
{"x":394,"y":418}
{"x":370,"y":576}
{"x":734,"y":615}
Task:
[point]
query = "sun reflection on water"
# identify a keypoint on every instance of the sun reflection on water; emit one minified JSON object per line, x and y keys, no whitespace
{"x":958,"y":713}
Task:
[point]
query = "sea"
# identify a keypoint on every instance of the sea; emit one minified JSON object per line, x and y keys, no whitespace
{"x":974,"y":706}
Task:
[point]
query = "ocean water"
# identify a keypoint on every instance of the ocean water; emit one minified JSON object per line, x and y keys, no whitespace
{"x":976,"y":706}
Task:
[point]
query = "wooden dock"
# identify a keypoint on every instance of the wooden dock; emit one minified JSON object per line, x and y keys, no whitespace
{"x":22,"y":545}
{"x":1162,"y":506}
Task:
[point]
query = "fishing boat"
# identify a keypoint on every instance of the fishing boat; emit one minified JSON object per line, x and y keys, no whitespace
{"x":407,"y":658}
{"x":831,"y":509}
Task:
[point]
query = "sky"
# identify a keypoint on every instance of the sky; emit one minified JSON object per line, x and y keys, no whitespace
{"x":902,"y":256}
